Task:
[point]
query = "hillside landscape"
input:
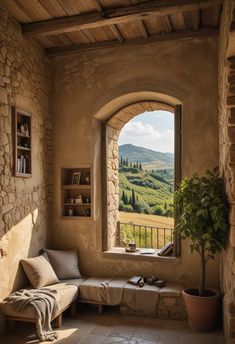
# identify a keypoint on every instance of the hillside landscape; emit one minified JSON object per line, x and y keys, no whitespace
{"x":145,"y":181}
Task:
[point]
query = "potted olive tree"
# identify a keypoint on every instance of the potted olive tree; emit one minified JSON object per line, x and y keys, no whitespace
{"x":201,"y":210}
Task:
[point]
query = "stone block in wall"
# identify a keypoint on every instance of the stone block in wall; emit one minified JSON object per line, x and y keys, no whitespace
{"x":3,"y":96}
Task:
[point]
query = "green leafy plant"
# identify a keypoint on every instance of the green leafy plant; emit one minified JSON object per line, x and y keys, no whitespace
{"x":201,"y":210}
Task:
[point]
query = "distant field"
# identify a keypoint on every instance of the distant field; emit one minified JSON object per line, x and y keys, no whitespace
{"x":156,"y":166}
{"x":147,"y":220}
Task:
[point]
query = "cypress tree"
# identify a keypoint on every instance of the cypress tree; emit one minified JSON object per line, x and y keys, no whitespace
{"x":123,"y":196}
{"x":133,"y":198}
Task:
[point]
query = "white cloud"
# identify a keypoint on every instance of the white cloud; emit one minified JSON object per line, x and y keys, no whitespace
{"x":145,"y":135}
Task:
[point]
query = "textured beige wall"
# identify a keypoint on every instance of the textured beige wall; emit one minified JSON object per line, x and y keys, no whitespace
{"x":96,"y":84}
{"x":25,"y":82}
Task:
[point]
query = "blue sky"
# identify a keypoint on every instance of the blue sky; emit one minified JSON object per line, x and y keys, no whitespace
{"x":153,"y":130}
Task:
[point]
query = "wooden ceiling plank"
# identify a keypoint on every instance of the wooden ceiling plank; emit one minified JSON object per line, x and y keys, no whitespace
{"x":216,"y":15}
{"x":97,"y":5}
{"x":15,"y":10}
{"x":167,"y":23}
{"x":143,"y":29}
{"x":196,"y":20}
{"x":89,"y":36}
{"x":77,"y":37}
{"x":178,"y":21}
{"x":70,"y":7}
{"x":115,"y":16}
{"x":34,"y":9}
{"x":84,"y":48}
{"x":116,"y":33}
{"x":53,"y":7}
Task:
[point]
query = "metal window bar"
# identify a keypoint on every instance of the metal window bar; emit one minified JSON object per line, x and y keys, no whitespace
{"x":145,"y":235}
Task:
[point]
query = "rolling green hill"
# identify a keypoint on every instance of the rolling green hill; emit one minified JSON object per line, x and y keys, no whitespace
{"x":144,"y":192}
{"x":146,"y":157}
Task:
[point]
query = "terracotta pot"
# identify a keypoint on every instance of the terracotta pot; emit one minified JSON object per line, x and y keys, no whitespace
{"x":202,"y":310}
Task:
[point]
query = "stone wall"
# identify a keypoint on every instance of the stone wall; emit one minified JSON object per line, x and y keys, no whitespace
{"x":25,"y":82}
{"x":227,"y":162}
{"x":112,"y":186}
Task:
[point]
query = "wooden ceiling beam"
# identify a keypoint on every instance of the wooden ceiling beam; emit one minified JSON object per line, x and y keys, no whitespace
{"x":84,"y":48}
{"x":112,"y":27}
{"x":140,"y":11}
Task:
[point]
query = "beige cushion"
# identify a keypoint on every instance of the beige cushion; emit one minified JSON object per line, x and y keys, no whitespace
{"x":39,"y":271}
{"x":64,"y":263}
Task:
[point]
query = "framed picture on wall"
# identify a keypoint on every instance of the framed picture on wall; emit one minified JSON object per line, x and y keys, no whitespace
{"x":76,"y":178}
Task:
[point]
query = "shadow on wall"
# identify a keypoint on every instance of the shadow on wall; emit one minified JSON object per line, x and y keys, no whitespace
{"x":19,"y":239}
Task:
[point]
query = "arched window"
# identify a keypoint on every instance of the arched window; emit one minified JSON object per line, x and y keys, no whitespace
{"x":110,"y":167}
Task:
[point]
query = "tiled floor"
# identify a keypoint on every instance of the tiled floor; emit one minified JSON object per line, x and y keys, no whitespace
{"x":111,"y":328}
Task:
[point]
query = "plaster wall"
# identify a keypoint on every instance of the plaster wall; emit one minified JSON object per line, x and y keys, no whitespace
{"x":89,"y":87}
{"x":25,"y":82}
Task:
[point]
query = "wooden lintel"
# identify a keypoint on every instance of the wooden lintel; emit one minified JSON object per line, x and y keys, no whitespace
{"x":83,"y":48}
{"x":140,"y":11}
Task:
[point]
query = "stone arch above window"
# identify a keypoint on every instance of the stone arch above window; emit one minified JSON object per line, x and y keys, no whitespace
{"x":120,"y":118}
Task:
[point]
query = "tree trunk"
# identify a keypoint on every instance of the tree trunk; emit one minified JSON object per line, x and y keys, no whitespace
{"x":202,"y":272}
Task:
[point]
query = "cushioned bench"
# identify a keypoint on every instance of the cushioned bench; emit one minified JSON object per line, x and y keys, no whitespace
{"x":61,"y":269}
{"x":67,"y":294}
{"x":164,"y":303}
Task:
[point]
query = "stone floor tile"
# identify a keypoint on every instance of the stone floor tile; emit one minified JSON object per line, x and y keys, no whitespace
{"x":90,"y":328}
{"x":91,"y":339}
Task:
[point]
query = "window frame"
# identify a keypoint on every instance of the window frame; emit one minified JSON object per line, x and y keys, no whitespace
{"x":177,"y":175}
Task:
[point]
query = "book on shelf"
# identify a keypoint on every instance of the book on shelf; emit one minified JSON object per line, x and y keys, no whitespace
{"x":21,"y":164}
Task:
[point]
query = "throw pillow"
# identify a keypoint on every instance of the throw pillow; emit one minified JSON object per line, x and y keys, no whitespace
{"x":64,"y":263}
{"x":39,"y":271}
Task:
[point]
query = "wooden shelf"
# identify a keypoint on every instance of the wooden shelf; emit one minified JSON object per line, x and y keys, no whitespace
{"x":82,"y":190}
{"x":76,"y":187}
{"x":76,"y":218}
{"x":25,"y":175}
{"x":23,"y":148}
{"x":22,"y":143}
{"x":22,"y":135}
{"x":77,"y":205}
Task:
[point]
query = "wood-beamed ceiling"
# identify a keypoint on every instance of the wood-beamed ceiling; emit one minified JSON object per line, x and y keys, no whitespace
{"x":65,"y":26}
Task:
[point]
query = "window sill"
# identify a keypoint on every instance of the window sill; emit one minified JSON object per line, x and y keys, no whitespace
{"x":119,"y":252}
